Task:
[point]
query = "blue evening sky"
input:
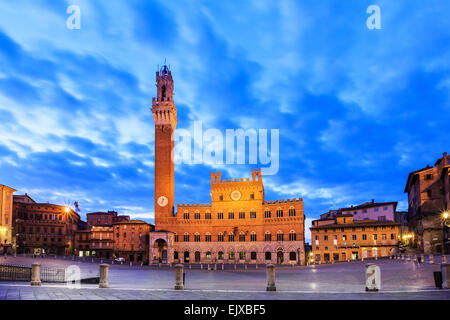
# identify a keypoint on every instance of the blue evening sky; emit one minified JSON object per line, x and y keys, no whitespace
{"x":357,"y":109}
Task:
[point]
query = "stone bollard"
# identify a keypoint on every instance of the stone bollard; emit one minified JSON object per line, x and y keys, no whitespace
{"x":201,"y":266}
{"x":92,"y":260}
{"x":256,"y":266}
{"x":409,"y":257}
{"x":444,"y":259}
{"x":271,"y":278}
{"x":245,"y":266}
{"x":101,"y":261}
{"x":208,"y":266}
{"x":422,"y":258}
{"x":190,"y":266}
{"x":36,"y":274}
{"x":373,"y":277}
{"x":445,"y":270}
{"x":223,"y":266}
{"x":376,"y":257}
{"x":179,"y":271}
{"x":235,"y":266}
{"x":104,"y":274}
{"x":215,"y":266}
{"x":431,"y":259}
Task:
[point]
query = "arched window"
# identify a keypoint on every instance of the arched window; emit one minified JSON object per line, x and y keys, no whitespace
{"x":230,"y":237}
{"x":267,"y":213}
{"x":220,"y":237}
{"x":291,"y":212}
{"x":220,"y":255}
{"x":208,"y":237}
{"x":231,"y":214}
{"x":267,"y":236}
{"x":197,"y":215}
{"x":186,"y":237}
{"x":253,"y":255}
{"x":175,"y":237}
{"x":242,"y":255}
{"x":280,"y":235}
{"x":220,"y":215}
{"x":253,"y":214}
{"x":292,"y":235}
{"x":279,"y":213}
{"x":242,"y":236}
{"x":175,"y":255}
{"x":208,"y":215}
{"x":208,"y":255}
{"x":197,"y":237}
{"x":268,"y":255}
{"x":241,"y":214}
{"x":186,"y":215}
{"x":253,"y":236}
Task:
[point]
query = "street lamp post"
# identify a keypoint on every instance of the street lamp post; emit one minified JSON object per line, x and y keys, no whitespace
{"x":445,"y":221}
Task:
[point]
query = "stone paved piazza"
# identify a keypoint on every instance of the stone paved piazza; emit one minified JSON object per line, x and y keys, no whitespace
{"x":400,"y":280}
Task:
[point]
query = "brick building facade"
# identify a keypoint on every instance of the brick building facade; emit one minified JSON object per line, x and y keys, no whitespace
{"x":428,"y":196}
{"x":109,"y":236}
{"x":341,"y":238}
{"x":6,"y":219}
{"x":239,"y":225}
{"x":44,"y":228}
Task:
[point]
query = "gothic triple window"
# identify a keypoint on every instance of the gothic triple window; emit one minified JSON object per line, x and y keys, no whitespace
{"x":197,"y":215}
{"x":292,"y":235}
{"x":280,"y":236}
{"x":291,"y":212}
{"x":267,"y":214}
{"x":279,"y":213}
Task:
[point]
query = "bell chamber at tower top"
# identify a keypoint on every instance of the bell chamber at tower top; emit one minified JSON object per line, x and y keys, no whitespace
{"x":164,"y":84}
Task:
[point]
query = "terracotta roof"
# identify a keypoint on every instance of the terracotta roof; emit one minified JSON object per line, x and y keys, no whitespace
{"x":361,"y":223}
{"x":370,"y":205}
{"x":132,"y":222}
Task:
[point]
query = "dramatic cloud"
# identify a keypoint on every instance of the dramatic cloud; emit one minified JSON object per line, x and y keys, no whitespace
{"x":357,"y":109}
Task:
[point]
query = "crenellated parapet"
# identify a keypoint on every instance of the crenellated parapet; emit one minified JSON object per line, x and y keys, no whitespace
{"x":283,"y":201}
{"x":193,"y":205}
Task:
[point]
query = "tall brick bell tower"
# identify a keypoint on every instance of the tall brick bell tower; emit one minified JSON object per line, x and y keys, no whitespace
{"x":165,"y":117}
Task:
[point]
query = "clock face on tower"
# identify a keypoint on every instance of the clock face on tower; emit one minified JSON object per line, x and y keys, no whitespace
{"x":162,"y":201}
{"x":235,"y":195}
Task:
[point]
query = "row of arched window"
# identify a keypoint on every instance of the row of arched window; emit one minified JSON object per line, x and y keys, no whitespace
{"x":267,"y":214}
{"x":242,"y":237}
{"x":231,"y":255}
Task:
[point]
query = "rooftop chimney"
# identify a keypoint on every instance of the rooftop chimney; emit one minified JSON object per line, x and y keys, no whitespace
{"x":373,"y":200}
